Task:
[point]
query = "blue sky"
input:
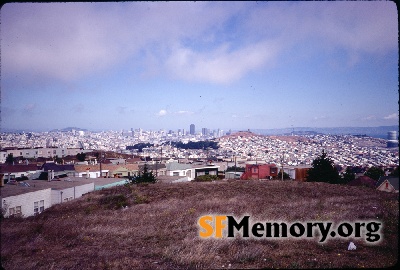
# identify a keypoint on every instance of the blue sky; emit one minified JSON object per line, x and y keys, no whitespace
{"x":228,"y":65}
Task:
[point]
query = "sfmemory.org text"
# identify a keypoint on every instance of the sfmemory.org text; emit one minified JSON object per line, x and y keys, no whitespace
{"x":224,"y":226}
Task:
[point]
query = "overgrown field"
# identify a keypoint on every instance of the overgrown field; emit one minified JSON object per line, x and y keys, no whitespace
{"x":155,"y":227}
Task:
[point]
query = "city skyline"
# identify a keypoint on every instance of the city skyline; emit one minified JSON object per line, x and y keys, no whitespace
{"x":227,"y":65}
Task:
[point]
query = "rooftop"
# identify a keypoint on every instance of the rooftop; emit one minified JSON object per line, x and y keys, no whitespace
{"x":35,"y":185}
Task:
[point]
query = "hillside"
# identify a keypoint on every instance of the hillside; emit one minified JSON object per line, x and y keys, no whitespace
{"x":159,"y":228}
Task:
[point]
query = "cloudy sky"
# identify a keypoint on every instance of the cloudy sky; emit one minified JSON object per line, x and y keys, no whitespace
{"x":228,"y":65}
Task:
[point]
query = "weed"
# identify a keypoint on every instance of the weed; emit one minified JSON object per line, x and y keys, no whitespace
{"x":114,"y":201}
{"x":160,"y":230}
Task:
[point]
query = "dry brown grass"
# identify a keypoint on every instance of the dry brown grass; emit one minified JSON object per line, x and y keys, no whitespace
{"x":159,"y":228}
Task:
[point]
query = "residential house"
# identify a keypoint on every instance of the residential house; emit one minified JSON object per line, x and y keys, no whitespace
{"x":179,"y":169}
{"x":57,"y":170}
{"x":11,"y":172}
{"x":40,"y":152}
{"x":124,"y":170}
{"x":259,"y":171}
{"x":206,"y":169}
{"x":388,"y":184}
{"x":159,"y":169}
{"x":91,"y":171}
{"x":34,"y":196}
{"x":191,"y":171}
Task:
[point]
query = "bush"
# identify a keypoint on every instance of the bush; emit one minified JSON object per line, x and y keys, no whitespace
{"x":206,"y":178}
{"x":374,"y":173}
{"x":145,"y":176}
{"x":114,"y":201}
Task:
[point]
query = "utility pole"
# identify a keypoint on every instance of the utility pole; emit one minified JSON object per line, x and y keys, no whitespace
{"x":282,"y":160}
{"x":156,"y":168}
{"x":100,"y":157}
{"x":258,"y":170}
{"x":235,"y":167}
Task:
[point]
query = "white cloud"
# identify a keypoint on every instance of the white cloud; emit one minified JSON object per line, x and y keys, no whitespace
{"x":162,"y":113}
{"x":392,"y":116}
{"x":319,"y":118}
{"x":67,"y":41}
{"x":184,"y":112}
{"x":192,"y":40}
{"x":356,"y":26}
{"x":369,"y":118}
{"x":221,"y":65}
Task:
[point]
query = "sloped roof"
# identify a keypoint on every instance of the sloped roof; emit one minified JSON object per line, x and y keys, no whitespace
{"x":175,"y":166}
{"x":394,"y":181}
{"x":363,"y":181}
{"x":83,"y":167}
{"x":35,"y":185}
{"x":57,"y":168}
{"x":6,"y":168}
{"x":153,"y":167}
{"x":105,"y":167}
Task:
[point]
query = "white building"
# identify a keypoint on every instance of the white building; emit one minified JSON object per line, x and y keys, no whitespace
{"x":41,"y":152}
{"x":34,"y":196}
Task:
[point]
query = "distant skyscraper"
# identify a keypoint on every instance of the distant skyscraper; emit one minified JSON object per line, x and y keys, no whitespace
{"x":392,"y":139}
{"x":204,"y":131}
{"x":192,"y":129}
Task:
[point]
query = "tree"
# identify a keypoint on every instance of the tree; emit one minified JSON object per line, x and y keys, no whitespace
{"x":10,"y":159}
{"x":81,"y":156}
{"x":348,"y":176}
{"x":144,"y":176}
{"x":395,"y":172}
{"x":285,"y":175}
{"x":374,"y":173}
{"x":323,"y":170}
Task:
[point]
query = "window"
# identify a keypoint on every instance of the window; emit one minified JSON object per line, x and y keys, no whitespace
{"x":15,"y":211}
{"x":38,"y":207}
{"x":175,"y":173}
{"x":41,"y":205}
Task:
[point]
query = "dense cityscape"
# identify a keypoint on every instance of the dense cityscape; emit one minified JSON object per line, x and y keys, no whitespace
{"x":244,"y":146}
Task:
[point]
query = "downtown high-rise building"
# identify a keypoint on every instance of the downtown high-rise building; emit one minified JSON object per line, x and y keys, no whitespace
{"x":192,"y":129}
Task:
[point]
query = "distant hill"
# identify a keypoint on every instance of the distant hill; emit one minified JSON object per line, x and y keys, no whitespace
{"x":378,"y":132}
{"x":68,"y":129}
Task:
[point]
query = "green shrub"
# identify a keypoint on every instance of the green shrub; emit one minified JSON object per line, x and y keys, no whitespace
{"x":206,"y":178}
{"x":114,"y":201}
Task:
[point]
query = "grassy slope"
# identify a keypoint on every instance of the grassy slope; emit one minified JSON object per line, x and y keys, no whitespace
{"x":159,"y":229}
